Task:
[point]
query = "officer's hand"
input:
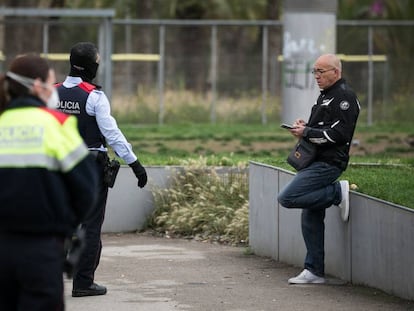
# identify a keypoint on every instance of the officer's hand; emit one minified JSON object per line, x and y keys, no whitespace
{"x":140,"y":173}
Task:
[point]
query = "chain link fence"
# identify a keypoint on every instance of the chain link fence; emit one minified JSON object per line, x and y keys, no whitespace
{"x":165,"y":71}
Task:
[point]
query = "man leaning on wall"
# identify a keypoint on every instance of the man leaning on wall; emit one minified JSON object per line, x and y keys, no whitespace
{"x":315,"y":188}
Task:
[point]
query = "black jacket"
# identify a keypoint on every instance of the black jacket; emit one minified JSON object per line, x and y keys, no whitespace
{"x":332,"y":124}
{"x":47,"y":178}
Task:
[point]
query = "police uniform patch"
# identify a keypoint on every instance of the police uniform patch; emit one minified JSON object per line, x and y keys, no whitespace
{"x":344,"y":105}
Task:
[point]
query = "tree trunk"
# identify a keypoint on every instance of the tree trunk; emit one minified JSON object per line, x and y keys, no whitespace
{"x":191,"y":40}
{"x":143,"y":41}
{"x":275,"y":48}
{"x":19,"y":34}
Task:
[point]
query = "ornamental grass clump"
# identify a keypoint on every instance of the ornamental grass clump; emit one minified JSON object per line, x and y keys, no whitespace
{"x":205,"y":203}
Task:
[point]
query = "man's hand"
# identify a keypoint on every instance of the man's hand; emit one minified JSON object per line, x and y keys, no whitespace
{"x":299,"y":122}
{"x":299,"y":127}
{"x":297,"y":131}
{"x":140,"y":173}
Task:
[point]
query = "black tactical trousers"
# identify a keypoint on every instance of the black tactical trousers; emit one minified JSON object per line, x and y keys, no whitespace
{"x":89,"y":260}
{"x":31,"y":273}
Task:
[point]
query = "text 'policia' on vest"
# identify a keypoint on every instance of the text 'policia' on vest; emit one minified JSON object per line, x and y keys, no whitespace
{"x":69,"y":107}
{"x":73,"y":101}
{"x":77,"y":95}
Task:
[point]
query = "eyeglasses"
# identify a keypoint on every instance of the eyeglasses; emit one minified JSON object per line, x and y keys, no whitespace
{"x":320,"y":71}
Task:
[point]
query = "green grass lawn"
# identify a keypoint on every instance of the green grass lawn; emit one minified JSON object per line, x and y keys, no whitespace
{"x":387,"y":148}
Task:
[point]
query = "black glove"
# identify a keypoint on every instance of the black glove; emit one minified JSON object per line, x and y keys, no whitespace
{"x":73,"y":249}
{"x":140,"y":173}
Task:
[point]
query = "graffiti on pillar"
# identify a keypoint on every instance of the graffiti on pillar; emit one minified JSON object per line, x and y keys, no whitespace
{"x":298,"y":58}
{"x":297,"y":74}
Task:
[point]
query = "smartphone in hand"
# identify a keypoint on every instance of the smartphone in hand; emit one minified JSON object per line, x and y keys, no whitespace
{"x":287,"y":126}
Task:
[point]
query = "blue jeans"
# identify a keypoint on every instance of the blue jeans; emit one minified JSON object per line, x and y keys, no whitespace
{"x":313,"y":189}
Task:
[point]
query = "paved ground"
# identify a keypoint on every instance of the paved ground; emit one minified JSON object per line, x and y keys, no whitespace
{"x":143,"y":273}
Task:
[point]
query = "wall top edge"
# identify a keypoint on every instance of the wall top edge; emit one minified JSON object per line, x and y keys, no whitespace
{"x":394,"y":205}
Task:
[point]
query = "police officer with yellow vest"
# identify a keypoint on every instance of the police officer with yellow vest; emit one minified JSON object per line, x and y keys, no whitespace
{"x":48,"y":181}
{"x":79,"y":96}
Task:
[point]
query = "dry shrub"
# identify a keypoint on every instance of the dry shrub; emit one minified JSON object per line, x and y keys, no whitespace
{"x":203,"y":203}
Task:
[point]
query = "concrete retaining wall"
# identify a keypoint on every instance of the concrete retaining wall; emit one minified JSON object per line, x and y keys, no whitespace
{"x":374,"y":248}
{"x":128,"y":206}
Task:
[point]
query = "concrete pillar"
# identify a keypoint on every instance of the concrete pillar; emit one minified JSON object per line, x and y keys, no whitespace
{"x":309,"y":30}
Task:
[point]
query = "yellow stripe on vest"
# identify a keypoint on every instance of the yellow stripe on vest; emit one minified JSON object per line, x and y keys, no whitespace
{"x":32,"y":137}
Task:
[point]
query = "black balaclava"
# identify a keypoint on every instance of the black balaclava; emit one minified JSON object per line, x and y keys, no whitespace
{"x":83,"y":61}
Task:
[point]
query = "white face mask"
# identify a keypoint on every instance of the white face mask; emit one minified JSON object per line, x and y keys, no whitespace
{"x":53,"y":100}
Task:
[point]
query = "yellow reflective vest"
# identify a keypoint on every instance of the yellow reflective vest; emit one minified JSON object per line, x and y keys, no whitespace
{"x":47,"y":179}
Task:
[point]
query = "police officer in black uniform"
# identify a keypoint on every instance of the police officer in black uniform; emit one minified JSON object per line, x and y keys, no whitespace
{"x":47,"y":180}
{"x":84,"y":99}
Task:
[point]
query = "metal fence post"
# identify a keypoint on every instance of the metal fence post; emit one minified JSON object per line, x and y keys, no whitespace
{"x":128,"y":49}
{"x":213,"y":73}
{"x":105,"y":50}
{"x":370,"y":76}
{"x":108,"y":55}
{"x":161,"y":74}
{"x":46,"y":38}
{"x":265,"y":57}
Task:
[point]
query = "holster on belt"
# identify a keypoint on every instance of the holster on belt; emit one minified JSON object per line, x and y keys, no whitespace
{"x":111,"y":170}
{"x":110,"y":167}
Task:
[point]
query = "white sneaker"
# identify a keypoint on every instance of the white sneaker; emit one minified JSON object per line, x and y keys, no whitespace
{"x":306,"y":277}
{"x":344,"y":205}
